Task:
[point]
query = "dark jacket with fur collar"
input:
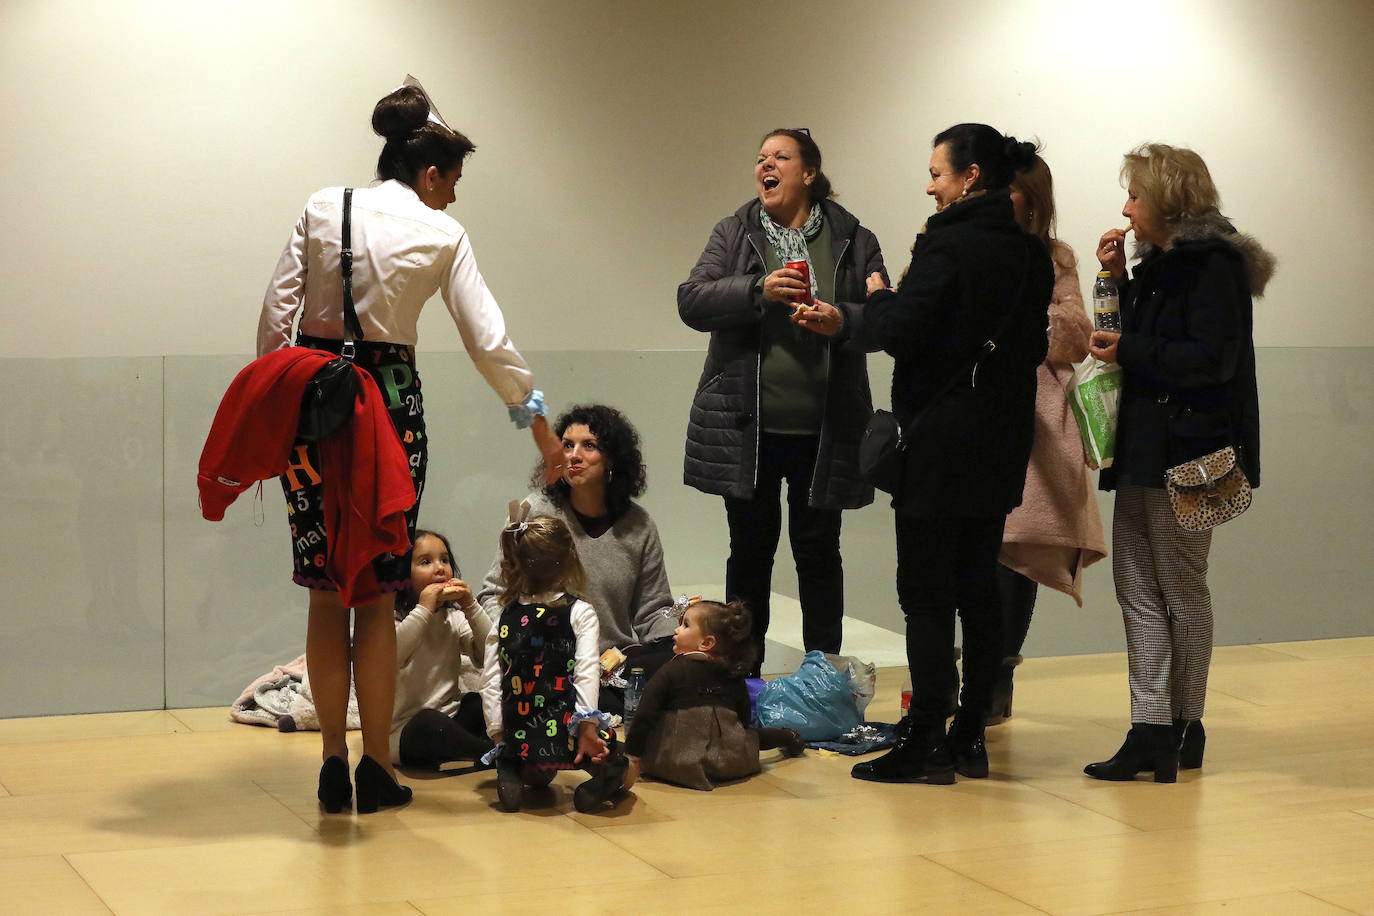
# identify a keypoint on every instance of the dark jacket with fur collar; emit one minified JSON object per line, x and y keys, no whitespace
{"x":724,"y":429}
{"x":967,"y":414}
{"x":1187,"y":350}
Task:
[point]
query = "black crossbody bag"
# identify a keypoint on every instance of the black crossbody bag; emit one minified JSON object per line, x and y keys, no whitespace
{"x":329,"y":396}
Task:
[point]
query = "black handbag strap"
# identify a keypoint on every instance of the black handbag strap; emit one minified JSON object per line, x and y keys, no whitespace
{"x":352,"y":327}
{"x":972,"y":365}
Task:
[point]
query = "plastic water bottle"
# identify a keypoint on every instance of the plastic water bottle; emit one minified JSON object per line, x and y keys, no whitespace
{"x":1106,"y":303}
{"x":634,"y":686}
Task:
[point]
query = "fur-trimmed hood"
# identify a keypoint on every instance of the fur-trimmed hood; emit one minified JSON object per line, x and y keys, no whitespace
{"x":1212,"y":226}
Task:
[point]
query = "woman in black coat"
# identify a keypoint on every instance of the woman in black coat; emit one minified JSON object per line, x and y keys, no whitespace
{"x":966,"y":329}
{"x":1188,"y":389}
{"x":775,"y":402}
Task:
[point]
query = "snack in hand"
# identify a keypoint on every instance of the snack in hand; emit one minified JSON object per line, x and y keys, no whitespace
{"x":450,"y":592}
{"x":612,"y":659}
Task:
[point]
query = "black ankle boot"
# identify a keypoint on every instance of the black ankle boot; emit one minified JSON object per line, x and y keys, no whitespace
{"x":920,"y":756}
{"x":1147,"y":747}
{"x":376,"y":787}
{"x":1192,"y":739}
{"x":335,"y":789}
{"x":602,"y":787}
{"x":966,"y":747}
{"x":999,"y":703}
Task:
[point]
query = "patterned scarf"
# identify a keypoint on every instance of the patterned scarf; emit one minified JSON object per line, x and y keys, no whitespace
{"x":790,"y":244}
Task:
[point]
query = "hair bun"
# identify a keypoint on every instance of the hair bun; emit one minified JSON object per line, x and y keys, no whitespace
{"x":401,"y":113}
{"x":1020,"y":153}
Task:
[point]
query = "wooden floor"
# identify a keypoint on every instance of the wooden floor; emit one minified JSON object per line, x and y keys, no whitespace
{"x":184,"y":812}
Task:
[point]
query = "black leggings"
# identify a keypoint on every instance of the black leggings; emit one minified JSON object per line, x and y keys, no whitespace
{"x":431,"y":738}
{"x":1018,"y":604}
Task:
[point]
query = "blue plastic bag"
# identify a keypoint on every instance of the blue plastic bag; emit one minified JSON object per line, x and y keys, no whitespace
{"x":815,"y":701}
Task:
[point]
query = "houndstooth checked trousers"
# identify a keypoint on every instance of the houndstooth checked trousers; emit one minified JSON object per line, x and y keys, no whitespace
{"x":1160,"y":571}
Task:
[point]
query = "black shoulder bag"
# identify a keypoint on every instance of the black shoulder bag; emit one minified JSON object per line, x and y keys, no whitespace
{"x":882,"y":450}
{"x":329,"y":396}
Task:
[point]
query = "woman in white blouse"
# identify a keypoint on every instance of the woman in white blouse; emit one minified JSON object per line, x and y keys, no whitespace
{"x":404,"y":250}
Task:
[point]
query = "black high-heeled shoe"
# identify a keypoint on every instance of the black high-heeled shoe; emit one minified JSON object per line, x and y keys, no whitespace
{"x":335,"y":789}
{"x":1147,"y":747}
{"x":376,"y":787}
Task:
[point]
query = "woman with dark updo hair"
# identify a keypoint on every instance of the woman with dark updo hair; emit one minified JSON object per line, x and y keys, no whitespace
{"x":966,"y":330}
{"x":404,"y":249}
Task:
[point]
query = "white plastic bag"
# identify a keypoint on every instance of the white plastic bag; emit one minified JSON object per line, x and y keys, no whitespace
{"x":862,"y":676}
{"x":1094,"y":395}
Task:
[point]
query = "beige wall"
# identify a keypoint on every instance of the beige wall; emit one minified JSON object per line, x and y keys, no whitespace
{"x":155,"y":154}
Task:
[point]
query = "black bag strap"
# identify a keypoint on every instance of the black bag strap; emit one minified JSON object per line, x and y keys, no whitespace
{"x":991,"y":343}
{"x":972,"y":366}
{"x":352,"y":327}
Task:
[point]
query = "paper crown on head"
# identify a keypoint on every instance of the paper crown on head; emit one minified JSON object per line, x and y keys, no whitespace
{"x":433,"y":110}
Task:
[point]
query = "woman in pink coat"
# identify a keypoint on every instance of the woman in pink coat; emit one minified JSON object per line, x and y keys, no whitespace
{"x":1056,"y":532}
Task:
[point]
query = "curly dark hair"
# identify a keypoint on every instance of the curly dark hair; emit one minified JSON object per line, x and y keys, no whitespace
{"x":732,"y":626}
{"x":619,"y":440}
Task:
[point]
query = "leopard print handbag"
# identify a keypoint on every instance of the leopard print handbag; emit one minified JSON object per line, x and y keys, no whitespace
{"x":1207,"y":491}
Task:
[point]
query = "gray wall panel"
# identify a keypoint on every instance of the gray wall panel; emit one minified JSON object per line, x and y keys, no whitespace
{"x":81,"y":547}
{"x":86,"y":514}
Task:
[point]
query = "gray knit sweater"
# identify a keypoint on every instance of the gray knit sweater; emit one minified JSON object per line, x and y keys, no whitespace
{"x":627,"y":581}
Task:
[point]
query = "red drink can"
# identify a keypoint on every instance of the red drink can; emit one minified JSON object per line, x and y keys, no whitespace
{"x":804,"y":269}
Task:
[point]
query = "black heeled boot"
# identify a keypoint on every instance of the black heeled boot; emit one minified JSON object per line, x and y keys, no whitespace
{"x":999,"y":704}
{"x":920,"y":756}
{"x":335,"y":789}
{"x":966,"y":746}
{"x":1192,"y":740}
{"x":376,"y":788}
{"x":1147,"y":747}
{"x":602,"y":787}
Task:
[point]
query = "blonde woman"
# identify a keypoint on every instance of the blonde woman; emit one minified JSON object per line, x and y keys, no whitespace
{"x":1186,"y":347}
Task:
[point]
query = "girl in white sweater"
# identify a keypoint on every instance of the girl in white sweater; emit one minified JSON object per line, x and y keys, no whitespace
{"x":443,"y":634}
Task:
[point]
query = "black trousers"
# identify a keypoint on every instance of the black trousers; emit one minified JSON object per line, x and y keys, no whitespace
{"x":755,"y":526}
{"x":947,"y":566}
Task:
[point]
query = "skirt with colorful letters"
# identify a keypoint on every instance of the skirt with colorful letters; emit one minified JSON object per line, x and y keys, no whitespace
{"x":392,"y":367}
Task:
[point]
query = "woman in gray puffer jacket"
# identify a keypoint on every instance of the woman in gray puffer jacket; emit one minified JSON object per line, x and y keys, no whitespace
{"x":776,"y":402}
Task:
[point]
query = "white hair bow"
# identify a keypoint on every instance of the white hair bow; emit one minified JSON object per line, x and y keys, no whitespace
{"x":516,"y":515}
